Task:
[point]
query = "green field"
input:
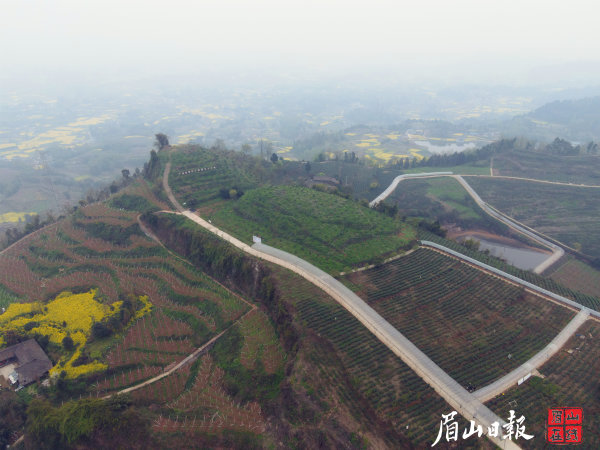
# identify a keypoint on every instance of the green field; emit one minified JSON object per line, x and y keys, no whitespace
{"x":467,"y":322}
{"x":571,"y":379}
{"x":330,"y":231}
{"x":569,"y":214}
{"x":198,"y":174}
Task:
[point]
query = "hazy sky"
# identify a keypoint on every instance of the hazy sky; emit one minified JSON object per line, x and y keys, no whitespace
{"x":407,"y":38}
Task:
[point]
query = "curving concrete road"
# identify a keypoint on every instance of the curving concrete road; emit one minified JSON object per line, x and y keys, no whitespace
{"x":399,"y":178}
{"x":502,"y":384}
{"x":557,"y":252}
{"x":456,"y":396}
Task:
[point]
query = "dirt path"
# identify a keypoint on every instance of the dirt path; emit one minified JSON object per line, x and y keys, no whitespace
{"x":45,"y":228}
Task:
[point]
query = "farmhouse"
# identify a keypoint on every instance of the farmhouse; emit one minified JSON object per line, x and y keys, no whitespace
{"x":328,"y":181}
{"x":24,"y":363}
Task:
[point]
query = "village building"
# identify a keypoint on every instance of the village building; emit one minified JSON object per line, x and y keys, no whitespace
{"x":23,"y":363}
{"x":320,"y":179}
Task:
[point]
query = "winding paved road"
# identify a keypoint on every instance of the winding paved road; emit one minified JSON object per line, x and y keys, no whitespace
{"x":399,"y":178}
{"x":557,"y":251}
{"x":454,"y":394}
{"x":502,"y":384}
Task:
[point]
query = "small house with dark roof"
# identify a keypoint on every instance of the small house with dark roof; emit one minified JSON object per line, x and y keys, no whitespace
{"x":321,"y":179}
{"x":27,"y":360}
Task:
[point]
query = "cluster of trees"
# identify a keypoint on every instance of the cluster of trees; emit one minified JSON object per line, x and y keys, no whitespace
{"x":227,"y":193}
{"x":113,"y":422}
{"x":33,"y":222}
{"x":565,"y":148}
{"x":349,"y":157}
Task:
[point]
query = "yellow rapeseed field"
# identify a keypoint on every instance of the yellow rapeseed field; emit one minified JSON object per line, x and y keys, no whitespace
{"x":13,"y":216}
{"x":67,"y":315}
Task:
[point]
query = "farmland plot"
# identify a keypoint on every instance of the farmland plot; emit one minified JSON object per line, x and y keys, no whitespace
{"x":475,"y":327}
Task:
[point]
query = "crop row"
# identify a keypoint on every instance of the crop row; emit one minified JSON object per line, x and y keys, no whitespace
{"x":474,"y":326}
{"x":260,"y":343}
{"x":570,"y":379}
{"x":391,"y":387}
{"x":164,"y":389}
{"x":546,"y":283}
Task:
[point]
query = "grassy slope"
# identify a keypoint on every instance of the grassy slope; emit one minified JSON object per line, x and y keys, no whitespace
{"x":437,"y":199}
{"x":332,"y":232}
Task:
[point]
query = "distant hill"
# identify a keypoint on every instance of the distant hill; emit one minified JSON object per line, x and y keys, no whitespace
{"x":572,"y":119}
{"x":585,"y":111}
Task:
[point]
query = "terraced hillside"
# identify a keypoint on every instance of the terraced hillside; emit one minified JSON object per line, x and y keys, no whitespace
{"x":474,"y":326}
{"x":198,"y":174}
{"x":363,"y":371}
{"x":103,"y":248}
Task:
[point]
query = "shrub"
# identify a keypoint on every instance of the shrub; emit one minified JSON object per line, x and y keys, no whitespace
{"x":68,"y":343}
